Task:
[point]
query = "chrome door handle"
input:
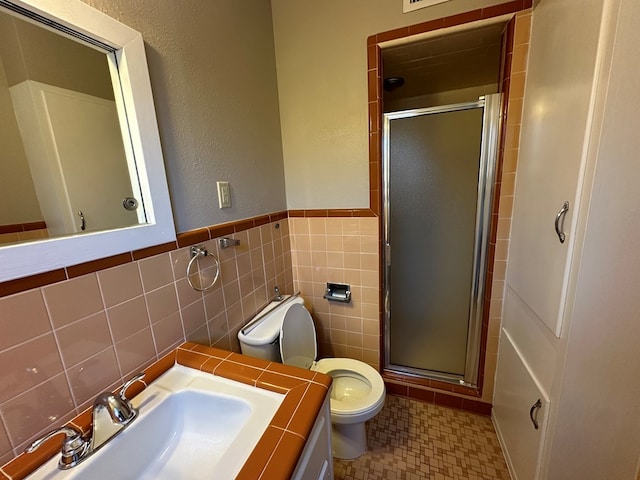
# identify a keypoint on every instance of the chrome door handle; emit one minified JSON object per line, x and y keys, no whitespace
{"x":561,"y":235}
{"x":536,"y":406}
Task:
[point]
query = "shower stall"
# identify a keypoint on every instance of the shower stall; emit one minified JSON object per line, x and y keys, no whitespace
{"x":438,"y":183}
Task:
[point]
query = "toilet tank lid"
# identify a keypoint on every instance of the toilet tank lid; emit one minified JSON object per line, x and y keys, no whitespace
{"x":266,"y":330}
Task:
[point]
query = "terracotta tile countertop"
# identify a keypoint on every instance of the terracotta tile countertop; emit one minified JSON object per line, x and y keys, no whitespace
{"x":276,"y":454}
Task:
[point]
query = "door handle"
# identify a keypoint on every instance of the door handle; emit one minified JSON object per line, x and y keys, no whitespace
{"x":83,"y":225}
{"x":560,"y":216}
{"x":534,"y":409}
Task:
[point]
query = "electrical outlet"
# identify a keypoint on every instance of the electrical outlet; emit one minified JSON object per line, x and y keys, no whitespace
{"x":224,"y":194}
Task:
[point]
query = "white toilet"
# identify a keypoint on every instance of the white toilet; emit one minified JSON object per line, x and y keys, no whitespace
{"x":357,"y":391}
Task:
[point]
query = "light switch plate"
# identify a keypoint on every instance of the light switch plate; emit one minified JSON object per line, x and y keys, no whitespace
{"x":224,"y":194}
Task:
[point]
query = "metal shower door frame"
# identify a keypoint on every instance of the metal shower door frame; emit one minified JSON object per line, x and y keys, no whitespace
{"x":491,"y":121}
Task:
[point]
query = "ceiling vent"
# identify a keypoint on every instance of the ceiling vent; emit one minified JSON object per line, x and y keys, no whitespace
{"x":411,"y":5}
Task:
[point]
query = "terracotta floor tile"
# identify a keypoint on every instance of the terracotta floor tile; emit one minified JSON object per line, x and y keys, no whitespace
{"x":410,"y":439}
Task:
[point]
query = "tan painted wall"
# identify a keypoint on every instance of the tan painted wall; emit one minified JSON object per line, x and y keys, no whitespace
{"x":31,"y":52}
{"x":322,"y":85}
{"x":213,"y":77}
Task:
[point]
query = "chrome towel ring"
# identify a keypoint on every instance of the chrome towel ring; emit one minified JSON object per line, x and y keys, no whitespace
{"x":197,"y":252}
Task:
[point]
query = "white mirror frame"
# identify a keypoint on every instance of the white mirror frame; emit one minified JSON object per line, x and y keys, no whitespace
{"x":131,"y":71}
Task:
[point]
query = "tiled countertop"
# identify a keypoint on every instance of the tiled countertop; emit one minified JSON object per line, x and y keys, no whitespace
{"x":276,"y":455}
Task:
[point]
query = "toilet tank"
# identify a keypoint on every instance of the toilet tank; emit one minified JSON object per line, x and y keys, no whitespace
{"x":260,"y":337}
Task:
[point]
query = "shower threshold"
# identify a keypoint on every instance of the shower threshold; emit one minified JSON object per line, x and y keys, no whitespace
{"x":420,"y":374}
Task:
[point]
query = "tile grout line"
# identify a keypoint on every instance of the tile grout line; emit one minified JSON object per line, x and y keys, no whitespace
{"x":108,"y":317}
{"x":295,"y":410}
{"x":74,"y":400}
{"x":271,"y":456}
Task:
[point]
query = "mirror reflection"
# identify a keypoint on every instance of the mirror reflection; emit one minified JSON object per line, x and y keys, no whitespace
{"x":63,"y":164}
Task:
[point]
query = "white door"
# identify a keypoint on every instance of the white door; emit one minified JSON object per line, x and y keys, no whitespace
{"x":555,"y":126}
{"x":92,"y":158}
{"x":74,"y":147}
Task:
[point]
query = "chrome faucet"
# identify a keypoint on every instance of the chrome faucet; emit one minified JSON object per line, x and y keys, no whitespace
{"x":111,"y":414}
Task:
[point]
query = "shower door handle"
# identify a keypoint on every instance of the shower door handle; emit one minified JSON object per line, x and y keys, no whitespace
{"x":387,"y":254}
{"x":561,"y":235}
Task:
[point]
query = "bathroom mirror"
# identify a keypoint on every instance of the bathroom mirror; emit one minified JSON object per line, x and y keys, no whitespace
{"x":63,"y":150}
{"x":101,"y":77}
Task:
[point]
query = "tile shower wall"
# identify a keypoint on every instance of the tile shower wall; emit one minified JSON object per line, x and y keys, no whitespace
{"x":514,"y":85}
{"x":340,"y":250}
{"x":64,"y":343}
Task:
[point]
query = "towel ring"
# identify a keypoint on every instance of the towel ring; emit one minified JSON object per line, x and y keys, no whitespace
{"x":197,"y":252}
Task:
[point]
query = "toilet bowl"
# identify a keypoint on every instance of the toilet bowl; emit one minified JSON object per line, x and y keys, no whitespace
{"x":284,"y":332}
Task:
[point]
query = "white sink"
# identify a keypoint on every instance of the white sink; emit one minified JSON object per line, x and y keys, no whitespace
{"x":191,"y":425}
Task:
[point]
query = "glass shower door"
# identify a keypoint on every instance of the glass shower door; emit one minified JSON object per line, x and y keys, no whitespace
{"x":435,"y":182}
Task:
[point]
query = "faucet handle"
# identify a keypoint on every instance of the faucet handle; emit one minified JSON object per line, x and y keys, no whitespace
{"x":125,"y":387}
{"x":74,"y":447}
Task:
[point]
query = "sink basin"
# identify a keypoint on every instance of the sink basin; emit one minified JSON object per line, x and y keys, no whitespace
{"x":191,"y":425}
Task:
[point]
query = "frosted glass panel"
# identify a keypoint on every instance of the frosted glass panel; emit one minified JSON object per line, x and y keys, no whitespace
{"x":433,"y":190}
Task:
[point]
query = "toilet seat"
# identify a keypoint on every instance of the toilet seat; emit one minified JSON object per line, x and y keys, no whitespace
{"x":364,"y":388}
{"x":351,"y":406}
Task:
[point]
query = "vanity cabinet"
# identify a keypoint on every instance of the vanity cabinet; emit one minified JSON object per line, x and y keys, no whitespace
{"x":570,"y":326}
{"x":316,"y":461}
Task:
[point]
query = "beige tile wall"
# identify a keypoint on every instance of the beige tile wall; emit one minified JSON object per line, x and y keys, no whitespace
{"x":63,"y":344}
{"x":509,"y":166}
{"x":340,"y":250}
{"x":13,"y":237}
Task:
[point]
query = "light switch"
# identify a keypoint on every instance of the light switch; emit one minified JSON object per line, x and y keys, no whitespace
{"x":224,"y":194}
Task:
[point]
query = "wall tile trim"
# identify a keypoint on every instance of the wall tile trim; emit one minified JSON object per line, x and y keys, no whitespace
{"x":356,"y":212}
{"x":453,"y":20}
{"x":183,"y":240}
{"x":439,"y":398}
{"x":22,"y":227}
